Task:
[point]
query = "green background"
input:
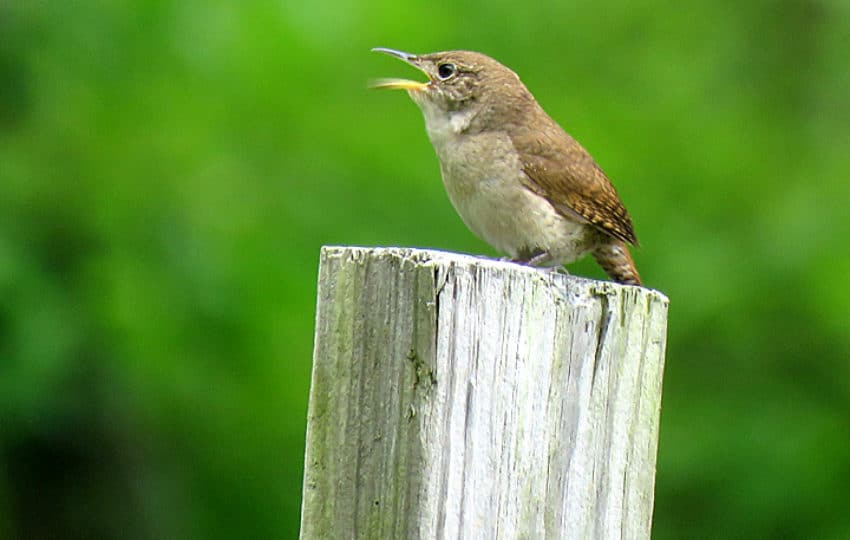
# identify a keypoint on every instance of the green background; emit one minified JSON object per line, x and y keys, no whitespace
{"x":169,"y":170}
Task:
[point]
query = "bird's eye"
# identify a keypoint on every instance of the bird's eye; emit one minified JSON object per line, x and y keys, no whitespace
{"x":446,"y":71}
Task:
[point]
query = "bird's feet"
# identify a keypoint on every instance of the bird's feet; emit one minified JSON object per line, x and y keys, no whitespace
{"x":540,"y":259}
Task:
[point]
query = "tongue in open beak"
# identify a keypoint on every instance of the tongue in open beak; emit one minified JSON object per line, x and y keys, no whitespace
{"x":399,"y":84}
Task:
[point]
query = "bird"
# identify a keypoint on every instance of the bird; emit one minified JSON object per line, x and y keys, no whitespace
{"x":516,"y":178}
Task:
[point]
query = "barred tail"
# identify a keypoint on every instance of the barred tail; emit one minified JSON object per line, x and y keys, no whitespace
{"x":614,"y":257}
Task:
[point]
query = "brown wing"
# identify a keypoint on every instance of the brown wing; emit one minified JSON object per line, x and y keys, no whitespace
{"x":560,"y":169}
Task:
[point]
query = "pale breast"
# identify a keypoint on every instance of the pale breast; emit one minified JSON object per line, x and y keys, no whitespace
{"x":482,"y":175}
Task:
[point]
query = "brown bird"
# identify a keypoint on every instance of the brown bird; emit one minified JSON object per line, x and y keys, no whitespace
{"x":517,"y":179}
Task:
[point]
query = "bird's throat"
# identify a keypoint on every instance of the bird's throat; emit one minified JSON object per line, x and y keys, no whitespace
{"x":443,"y":125}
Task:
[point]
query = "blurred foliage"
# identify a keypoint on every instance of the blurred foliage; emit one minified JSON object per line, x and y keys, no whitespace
{"x":169,"y":169}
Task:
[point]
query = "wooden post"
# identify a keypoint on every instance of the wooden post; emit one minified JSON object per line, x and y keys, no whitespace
{"x":460,"y":397}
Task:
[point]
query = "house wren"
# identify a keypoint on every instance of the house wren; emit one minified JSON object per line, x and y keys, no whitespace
{"x":517,"y":179}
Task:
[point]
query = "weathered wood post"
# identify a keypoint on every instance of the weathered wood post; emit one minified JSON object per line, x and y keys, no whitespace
{"x":459,"y":397}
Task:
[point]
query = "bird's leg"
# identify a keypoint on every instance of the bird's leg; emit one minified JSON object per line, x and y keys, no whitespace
{"x":537,"y":258}
{"x":541,"y":258}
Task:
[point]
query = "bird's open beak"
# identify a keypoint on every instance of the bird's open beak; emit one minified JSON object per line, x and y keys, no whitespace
{"x":402,"y":84}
